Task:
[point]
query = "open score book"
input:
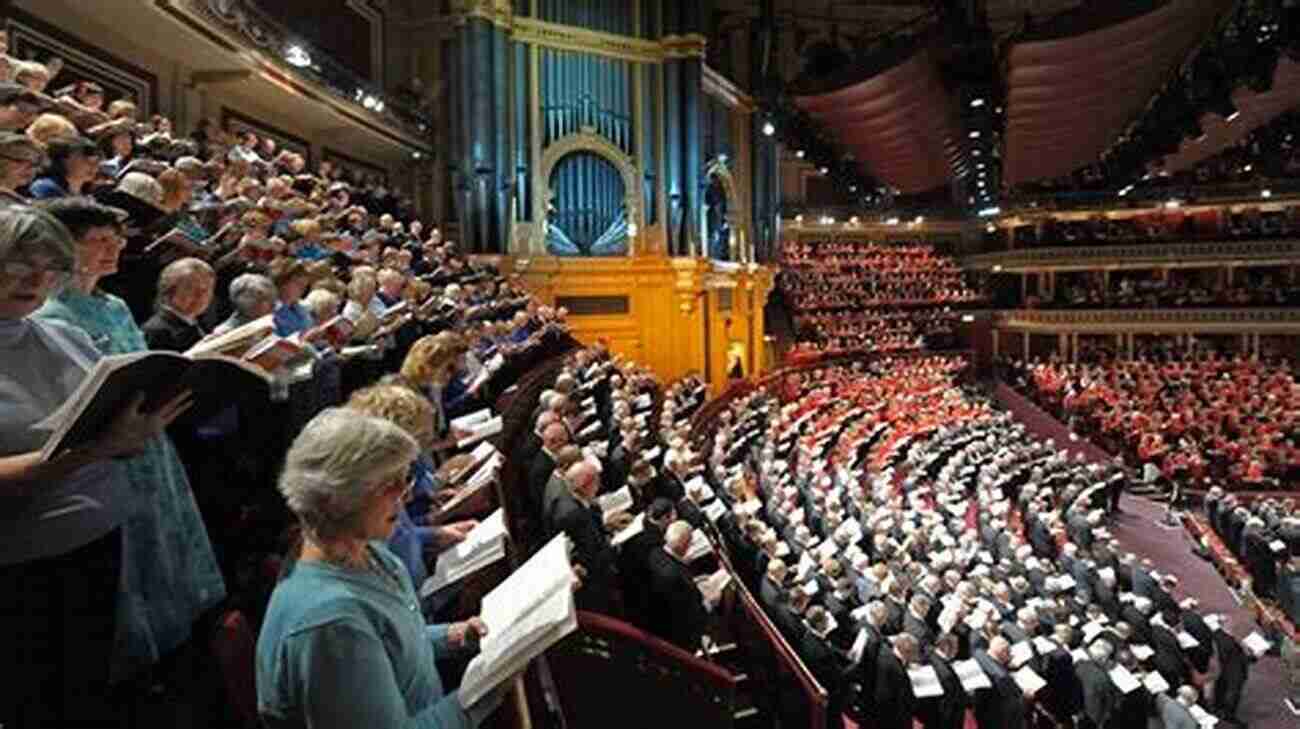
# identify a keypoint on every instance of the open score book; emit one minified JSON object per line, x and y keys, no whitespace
{"x":530,"y":611}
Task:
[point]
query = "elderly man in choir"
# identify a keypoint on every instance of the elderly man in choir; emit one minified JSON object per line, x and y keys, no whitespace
{"x":677,"y":609}
{"x":578,"y":516}
{"x":252,"y":296}
{"x":184,"y":293}
{"x":554,"y":437}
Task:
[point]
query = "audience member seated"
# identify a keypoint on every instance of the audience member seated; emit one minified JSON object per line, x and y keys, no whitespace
{"x":851,"y":296}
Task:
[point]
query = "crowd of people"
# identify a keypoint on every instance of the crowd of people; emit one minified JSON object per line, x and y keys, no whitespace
{"x":1167,"y":227}
{"x":119,"y":236}
{"x":1189,"y":420}
{"x":929,"y":559}
{"x":1265,"y":535}
{"x":1177,"y":290}
{"x":849,"y":295}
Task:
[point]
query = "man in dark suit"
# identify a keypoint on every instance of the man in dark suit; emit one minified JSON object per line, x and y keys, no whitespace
{"x":915,"y":622}
{"x":579,"y":518}
{"x":1062,"y":697}
{"x":634,"y":560}
{"x":1003,"y":707}
{"x":946,"y":711}
{"x":1174,"y":713}
{"x":1099,"y":693}
{"x":1234,"y":667}
{"x":1169,"y":660}
{"x":893,"y":702}
{"x":677,"y":611}
{"x":184,"y":292}
{"x":554,"y":438}
{"x":1195,"y":625}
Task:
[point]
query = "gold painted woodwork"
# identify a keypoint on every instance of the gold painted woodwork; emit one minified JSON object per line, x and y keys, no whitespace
{"x":673,"y":324}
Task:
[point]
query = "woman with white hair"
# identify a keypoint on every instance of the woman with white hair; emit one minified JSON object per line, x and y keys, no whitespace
{"x":61,"y":518}
{"x":344,"y":643}
{"x":253,"y":296}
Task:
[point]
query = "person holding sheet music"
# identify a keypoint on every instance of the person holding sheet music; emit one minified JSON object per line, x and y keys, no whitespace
{"x":344,"y":643}
{"x":580,"y":518}
{"x":677,"y":609}
{"x":62,"y":552}
{"x":171,"y":572}
{"x":416,"y":543}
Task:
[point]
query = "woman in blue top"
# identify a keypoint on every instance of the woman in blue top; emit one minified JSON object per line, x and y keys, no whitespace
{"x":61,"y":536}
{"x":344,"y":643}
{"x":170,"y":571}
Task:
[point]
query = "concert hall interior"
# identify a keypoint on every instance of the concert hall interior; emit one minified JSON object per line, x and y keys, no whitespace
{"x":589,"y":364}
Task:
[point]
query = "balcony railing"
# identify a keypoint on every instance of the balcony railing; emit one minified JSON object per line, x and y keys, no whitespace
{"x":1233,"y":321}
{"x":297,"y":58}
{"x":1128,"y":255}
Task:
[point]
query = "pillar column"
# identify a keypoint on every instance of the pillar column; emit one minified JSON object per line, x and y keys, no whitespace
{"x":1130,"y":345}
{"x":1074,"y":347}
{"x":484,"y":167}
{"x":1254,"y":344}
{"x":1025,"y":344}
{"x":1063,"y":346}
{"x":995,"y":342}
{"x":1024,"y":287}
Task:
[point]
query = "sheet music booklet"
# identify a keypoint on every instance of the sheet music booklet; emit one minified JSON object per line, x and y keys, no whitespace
{"x":530,"y":611}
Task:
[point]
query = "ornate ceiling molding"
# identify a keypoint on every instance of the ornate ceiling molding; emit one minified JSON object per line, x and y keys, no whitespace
{"x":570,"y":38}
{"x":1138,"y":255}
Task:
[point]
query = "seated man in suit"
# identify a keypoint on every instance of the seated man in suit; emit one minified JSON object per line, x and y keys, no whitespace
{"x":578,"y":516}
{"x":677,"y":607}
{"x":185,"y":291}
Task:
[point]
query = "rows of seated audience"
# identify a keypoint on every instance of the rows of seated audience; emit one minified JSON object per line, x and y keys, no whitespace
{"x":1178,"y":290}
{"x":1247,"y":224}
{"x":925,"y":555}
{"x":848,"y":295}
{"x":1226,"y":419}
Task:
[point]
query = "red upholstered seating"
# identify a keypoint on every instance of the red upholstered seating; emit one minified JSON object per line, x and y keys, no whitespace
{"x":234,"y":646}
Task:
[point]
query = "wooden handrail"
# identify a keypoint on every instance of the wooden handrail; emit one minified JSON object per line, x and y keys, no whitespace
{"x":711,"y":673}
{"x":817,"y":694}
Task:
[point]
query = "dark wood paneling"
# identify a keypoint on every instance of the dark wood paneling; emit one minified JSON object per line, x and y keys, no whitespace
{"x":594,"y":305}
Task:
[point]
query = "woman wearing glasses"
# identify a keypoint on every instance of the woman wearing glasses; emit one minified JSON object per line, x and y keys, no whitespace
{"x":170,"y":571}
{"x":61,"y":519}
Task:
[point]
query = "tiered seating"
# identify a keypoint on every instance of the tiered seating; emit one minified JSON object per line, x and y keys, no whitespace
{"x":1177,"y":290}
{"x":1217,"y":419}
{"x":909,"y":512}
{"x":853,"y":295}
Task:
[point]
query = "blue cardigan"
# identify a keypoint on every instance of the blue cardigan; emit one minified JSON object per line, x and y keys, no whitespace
{"x":341,"y":648}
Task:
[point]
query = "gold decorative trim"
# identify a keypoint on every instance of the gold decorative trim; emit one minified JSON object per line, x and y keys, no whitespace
{"x":691,"y":45}
{"x":570,"y":38}
{"x":586,"y":140}
{"x":737,"y":214}
{"x":723,"y":88}
{"x":496,"y":12}
{"x":1139,"y":255}
{"x":1117,"y":321}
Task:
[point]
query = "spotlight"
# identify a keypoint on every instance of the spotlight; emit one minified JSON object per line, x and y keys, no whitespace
{"x":370,"y":102}
{"x":1232,"y":117}
{"x":990,"y":228}
{"x":417,"y":155}
{"x":769,"y":129}
{"x":1266,"y":193}
{"x":297,"y":57}
{"x":967,"y":318}
{"x":1125,"y":190}
{"x":891,"y":221}
{"x":990,"y":212}
{"x":799,"y":153}
{"x":824,"y":170}
{"x":798,"y":218}
{"x":997,"y":268}
{"x":975,"y":134}
{"x":976,"y":103}
{"x":1173,"y":204}
{"x":919,"y":219}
